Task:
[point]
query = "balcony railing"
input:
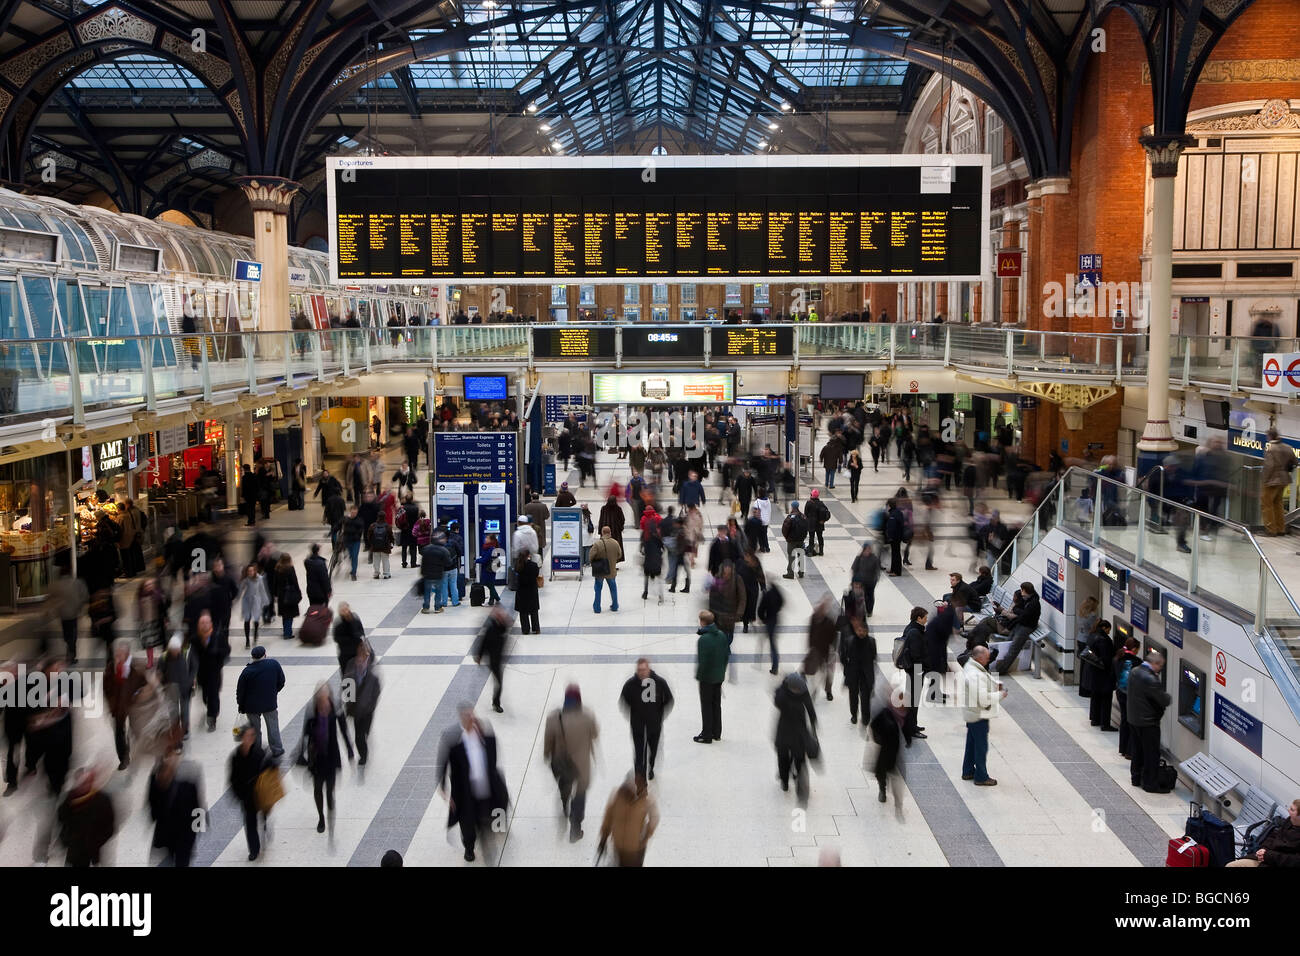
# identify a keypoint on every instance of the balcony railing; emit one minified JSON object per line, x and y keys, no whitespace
{"x":68,"y":376}
{"x":1217,"y":562}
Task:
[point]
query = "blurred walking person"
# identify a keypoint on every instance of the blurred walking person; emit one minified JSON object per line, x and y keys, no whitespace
{"x":796,"y":734}
{"x":769,"y":612}
{"x":124,"y":678}
{"x":857,"y":654}
{"x":477,"y":792}
{"x":568,"y":746}
{"x":888,"y":727}
{"x":319,"y":747}
{"x":210,"y":653}
{"x":491,"y":643}
{"x":631,"y":818}
{"x":247,"y":764}
{"x":257,"y":696}
{"x":175,"y":803}
{"x":361,"y":699}
{"x":647,"y":700}
{"x":87,"y":819}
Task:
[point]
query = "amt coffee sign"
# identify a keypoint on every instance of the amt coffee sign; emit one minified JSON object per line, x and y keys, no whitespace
{"x":110,"y":457}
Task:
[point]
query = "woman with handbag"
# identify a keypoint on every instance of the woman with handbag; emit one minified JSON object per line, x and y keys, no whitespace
{"x":1102,"y":648}
{"x":527,"y":598}
{"x":1086,"y":625}
{"x":247,"y":764}
{"x":319,"y":750}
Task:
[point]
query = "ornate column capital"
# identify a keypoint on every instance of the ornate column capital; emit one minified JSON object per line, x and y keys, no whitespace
{"x":1048,"y":186}
{"x":1163,"y":151}
{"x":269,"y":193}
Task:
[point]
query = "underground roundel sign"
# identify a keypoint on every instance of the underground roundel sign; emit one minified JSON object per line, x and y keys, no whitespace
{"x":1281,"y":372}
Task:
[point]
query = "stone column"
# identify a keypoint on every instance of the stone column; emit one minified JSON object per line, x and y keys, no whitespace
{"x":1157,"y":440}
{"x":270,"y":198}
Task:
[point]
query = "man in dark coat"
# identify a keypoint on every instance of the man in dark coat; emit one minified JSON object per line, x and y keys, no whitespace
{"x":647,"y":700}
{"x":349,"y":634}
{"x":817,"y":514}
{"x":174,"y":804}
{"x":796,"y":733}
{"x":257,"y":696}
{"x":319,"y":587}
{"x":1022,"y":625}
{"x":1147,"y":701}
{"x":865,"y":570}
{"x":822,"y":632}
{"x":937,"y":633}
{"x":746,"y":487}
{"x":211,"y":649}
{"x":911,"y":658}
{"x":468,"y":753}
{"x":857,"y":653}
{"x":359,"y":676}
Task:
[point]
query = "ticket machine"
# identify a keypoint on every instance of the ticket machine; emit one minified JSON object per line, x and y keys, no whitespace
{"x":492,"y":516}
{"x":450,"y":503}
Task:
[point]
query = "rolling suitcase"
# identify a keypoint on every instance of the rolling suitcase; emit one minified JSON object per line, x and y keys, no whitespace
{"x":316,"y":625}
{"x":477,"y":595}
{"x":1186,"y":852}
{"x":1212,"y":833}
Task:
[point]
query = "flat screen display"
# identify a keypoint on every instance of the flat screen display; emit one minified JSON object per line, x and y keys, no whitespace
{"x":573,"y":342}
{"x":485,"y":388}
{"x":842,"y":385}
{"x":602,"y":220}
{"x":1216,"y":413}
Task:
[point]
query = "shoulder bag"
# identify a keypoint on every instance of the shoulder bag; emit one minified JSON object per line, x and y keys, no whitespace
{"x":561,"y":765}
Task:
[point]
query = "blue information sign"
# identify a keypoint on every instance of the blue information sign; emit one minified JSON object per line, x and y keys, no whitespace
{"x":474,"y":457}
{"x":1140,"y":621}
{"x":1053,"y":594}
{"x":1174,"y":611}
{"x":1117,"y":598}
{"x":1174,"y":633}
{"x":548,"y":479}
{"x":1239,"y":725}
{"x":246,"y":270}
{"x":1053,"y":570}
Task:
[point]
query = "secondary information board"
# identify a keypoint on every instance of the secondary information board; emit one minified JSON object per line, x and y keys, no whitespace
{"x":474,"y":457}
{"x":544,"y":219}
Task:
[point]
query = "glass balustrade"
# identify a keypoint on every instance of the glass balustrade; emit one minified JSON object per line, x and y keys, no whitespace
{"x":36,"y":374}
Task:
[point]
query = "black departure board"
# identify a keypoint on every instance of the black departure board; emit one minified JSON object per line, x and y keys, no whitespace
{"x":658,"y":342}
{"x":573,"y":343}
{"x":751,"y":341}
{"x":605,"y":221}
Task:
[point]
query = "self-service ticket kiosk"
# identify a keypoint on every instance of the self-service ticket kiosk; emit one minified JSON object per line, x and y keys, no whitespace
{"x":492,"y":516}
{"x":450,"y":504}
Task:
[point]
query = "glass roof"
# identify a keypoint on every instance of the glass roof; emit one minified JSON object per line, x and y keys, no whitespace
{"x":137,"y":71}
{"x":597,"y":74}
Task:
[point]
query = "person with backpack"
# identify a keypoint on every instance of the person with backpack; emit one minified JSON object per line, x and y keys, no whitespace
{"x":794,"y":529}
{"x":408,"y":515}
{"x":817,"y":514}
{"x":379,"y":539}
{"x":1126,"y":658}
{"x":488,"y":563}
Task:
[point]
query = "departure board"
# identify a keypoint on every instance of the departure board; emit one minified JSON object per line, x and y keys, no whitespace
{"x":573,"y":343}
{"x":603,"y":220}
{"x":745,"y":341}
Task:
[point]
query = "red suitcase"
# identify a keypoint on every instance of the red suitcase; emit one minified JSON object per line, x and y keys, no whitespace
{"x":1184,"y":851}
{"x":316,"y":625}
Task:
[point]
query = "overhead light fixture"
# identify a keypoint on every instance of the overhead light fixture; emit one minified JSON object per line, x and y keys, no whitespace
{"x":558,"y":146}
{"x":492,"y":4}
{"x":785,"y":105}
{"x":825,"y":3}
{"x":773,"y":127}
{"x":532,"y":107}
{"x":762,"y":144}
{"x":545,"y":127}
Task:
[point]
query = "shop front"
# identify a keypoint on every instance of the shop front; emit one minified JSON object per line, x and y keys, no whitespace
{"x":35,"y":526}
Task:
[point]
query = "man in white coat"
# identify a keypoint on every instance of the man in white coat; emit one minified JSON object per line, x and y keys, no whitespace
{"x":982,"y":696}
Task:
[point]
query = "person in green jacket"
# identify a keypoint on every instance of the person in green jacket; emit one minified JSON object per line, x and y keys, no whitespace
{"x":712,"y":651}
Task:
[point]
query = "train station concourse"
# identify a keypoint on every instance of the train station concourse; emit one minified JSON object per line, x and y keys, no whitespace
{"x":425,"y":426}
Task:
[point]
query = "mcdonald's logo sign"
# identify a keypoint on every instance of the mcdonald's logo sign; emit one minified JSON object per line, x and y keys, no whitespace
{"x":1009,"y":265}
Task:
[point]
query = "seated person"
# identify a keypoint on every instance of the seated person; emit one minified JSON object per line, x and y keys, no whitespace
{"x":983,"y":583}
{"x":1280,"y":845}
{"x":971,"y":600}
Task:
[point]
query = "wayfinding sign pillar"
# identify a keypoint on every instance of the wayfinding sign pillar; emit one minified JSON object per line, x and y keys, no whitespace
{"x":470,"y":464}
{"x":566,"y":540}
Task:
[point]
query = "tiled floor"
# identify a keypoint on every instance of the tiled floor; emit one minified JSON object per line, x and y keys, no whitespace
{"x":1063,"y":794}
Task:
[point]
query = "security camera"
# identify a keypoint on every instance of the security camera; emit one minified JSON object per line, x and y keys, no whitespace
{"x":740,"y":380}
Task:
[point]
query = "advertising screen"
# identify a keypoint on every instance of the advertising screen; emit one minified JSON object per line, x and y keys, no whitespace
{"x":663,"y":388}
